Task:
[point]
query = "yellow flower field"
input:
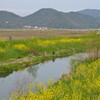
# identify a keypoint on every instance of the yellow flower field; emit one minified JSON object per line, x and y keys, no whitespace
{"x":20,"y":47}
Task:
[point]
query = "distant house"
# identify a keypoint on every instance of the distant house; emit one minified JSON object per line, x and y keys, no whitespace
{"x":6,"y":22}
{"x":28,"y":27}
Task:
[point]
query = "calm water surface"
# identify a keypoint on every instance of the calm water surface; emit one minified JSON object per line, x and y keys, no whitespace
{"x":42,"y":72}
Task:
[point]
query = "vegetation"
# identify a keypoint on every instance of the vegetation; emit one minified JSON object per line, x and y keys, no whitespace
{"x":83,"y":83}
{"x":21,"y":51}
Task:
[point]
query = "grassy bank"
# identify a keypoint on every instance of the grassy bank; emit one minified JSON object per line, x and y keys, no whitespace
{"x":83,"y":83}
{"x":16,"y":54}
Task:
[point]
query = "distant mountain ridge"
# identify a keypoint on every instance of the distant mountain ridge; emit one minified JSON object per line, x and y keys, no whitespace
{"x":48,"y":17}
{"x":91,"y":12}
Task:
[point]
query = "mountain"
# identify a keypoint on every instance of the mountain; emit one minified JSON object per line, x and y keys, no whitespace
{"x":55,"y":19}
{"x":48,"y":17}
{"x":91,"y":12}
{"x":83,"y":21}
{"x":9,"y":20}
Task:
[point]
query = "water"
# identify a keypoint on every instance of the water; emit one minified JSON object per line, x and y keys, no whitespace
{"x":42,"y":72}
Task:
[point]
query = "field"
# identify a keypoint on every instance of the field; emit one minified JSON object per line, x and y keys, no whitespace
{"x":82,"y":83}
{"x":22,"y":34}
{"x":27,"y":47}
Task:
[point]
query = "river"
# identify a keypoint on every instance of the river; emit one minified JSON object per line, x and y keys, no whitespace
{"x":41,"y":72}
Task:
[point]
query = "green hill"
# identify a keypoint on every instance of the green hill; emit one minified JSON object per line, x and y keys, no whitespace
{"x":10,"y":20}
{"x":50,"y":18}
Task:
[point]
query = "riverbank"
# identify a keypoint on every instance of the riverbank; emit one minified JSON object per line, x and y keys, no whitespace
{"x":82,"y":83}
{"x":11,"y":66}
{"x":17,"y":54}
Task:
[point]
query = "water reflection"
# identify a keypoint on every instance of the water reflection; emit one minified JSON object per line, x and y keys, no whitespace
{"x":5,"y":75}
{"x":54,"y":60}
{"x":33,"y":71}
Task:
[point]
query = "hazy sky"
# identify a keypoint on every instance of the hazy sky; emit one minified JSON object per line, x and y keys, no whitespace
{"x":25,"y":7}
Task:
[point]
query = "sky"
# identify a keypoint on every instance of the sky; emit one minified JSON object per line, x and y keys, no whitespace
{"x":26,"y":7}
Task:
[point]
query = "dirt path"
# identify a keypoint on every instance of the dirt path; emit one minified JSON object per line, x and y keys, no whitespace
{"x":20,"y":60}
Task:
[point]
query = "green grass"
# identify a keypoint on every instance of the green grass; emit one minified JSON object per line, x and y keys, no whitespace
{"x":41,"y":48}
